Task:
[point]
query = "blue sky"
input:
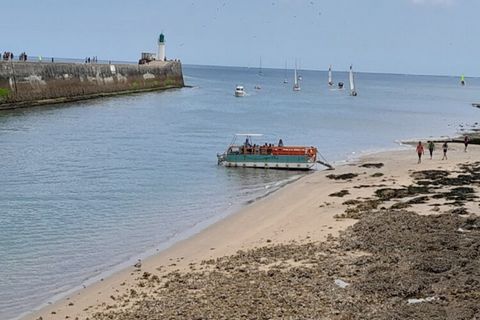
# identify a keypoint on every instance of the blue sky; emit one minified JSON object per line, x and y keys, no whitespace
{"x":398,"y":36}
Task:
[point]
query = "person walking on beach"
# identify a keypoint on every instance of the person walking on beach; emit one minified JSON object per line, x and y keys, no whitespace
{"x":445,"y":149}
{"x":431,"y":147}
{"x":466,"y":141}
{"x":420,"y":151}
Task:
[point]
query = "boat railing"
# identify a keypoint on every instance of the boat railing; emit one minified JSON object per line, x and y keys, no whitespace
{"x":273,"y":150}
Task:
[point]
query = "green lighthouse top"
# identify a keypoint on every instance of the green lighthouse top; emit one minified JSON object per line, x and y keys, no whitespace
{"x":161,"y":38}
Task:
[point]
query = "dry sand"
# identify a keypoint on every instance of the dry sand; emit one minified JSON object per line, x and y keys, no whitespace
{"x":307,"y":228}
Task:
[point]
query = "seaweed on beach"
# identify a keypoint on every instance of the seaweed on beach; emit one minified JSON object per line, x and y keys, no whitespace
{"x":351,"y":202}
{"x":344,"y":176}
{"x":359,"y":209}
{"x":385,"y":259}
{"x":376,"y":175}
{"x":430,"y":174}
{"x":428,"y":184}
{"x":458,"y":195}
{"x":428,"y":254}
{"x":340,"y":193}
{"x":400,"y":205}
{"x":469,"y":174}
{"x":386,"y":194}
{"x":372,"y":165}
{"x":369,"y":186}
{"x":460,"y":210}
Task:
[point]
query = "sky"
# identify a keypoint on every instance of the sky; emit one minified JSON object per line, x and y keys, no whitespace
{"x":435,"y":37}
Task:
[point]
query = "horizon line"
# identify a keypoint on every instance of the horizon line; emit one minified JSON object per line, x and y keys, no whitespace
{"x":326,"y":70}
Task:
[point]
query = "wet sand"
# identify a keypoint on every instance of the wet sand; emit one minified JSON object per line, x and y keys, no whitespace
{"x":358,"y":242}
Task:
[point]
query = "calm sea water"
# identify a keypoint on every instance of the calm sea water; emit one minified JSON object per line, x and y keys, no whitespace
{"x":87,"y":187}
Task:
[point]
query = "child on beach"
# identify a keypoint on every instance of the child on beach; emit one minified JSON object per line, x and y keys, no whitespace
{"x":431,"y":147}
{"x":445,"y":149}
{"x":420,"y":151}
{"x":466,"y":141}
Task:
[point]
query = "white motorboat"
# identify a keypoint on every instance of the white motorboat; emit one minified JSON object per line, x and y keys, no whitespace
{"x":240,"y":91}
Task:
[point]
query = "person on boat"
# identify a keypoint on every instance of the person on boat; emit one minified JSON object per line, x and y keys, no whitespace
{"x":431,"y":147}
{"x":280,"y":143}
{"x":466,"y":141}
{"x":247,"y":143}
{"x":420,"y":151}
{"x":445,"y":149}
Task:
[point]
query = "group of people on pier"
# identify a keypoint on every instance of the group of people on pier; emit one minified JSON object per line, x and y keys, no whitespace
{"x":91,"y":60}
{"x":8,"y":56}
{"x":23,"y":56}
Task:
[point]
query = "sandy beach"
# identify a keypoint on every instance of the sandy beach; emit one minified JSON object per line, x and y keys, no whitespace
{"x":360,"y":241}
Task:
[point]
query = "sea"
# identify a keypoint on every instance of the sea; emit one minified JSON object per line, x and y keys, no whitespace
{"x":87,"y":188}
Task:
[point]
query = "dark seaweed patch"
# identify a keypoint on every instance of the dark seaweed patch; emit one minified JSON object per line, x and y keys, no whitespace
{"x":345,"y":176}
{"x":340,"y":194}
{"x":372,"y":165}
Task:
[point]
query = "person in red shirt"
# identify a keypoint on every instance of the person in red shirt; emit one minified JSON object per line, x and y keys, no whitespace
{"x":420,"y":151}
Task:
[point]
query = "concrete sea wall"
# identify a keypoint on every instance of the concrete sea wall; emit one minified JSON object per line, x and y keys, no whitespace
{"x":24,"y":84}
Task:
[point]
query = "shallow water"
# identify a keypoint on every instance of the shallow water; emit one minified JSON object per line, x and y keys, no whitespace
{"x":88,"y":186}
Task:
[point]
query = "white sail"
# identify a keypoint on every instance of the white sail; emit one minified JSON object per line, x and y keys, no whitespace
{"x":352,"y":83}
{"x":296,"y":86}
{"x":330,"y":81}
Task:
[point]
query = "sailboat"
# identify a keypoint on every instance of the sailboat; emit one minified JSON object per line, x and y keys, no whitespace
{"x":330,"y":81}
{"x":462,"y":80}
{"x":296,"y":86}
{"x":260,"y":72}
{"x":353,"y":92}
{"x":299,"y":75}
{"x":285,"y":80}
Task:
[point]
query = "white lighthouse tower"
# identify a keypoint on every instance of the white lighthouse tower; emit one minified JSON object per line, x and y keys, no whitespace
{"x":161,"y":48}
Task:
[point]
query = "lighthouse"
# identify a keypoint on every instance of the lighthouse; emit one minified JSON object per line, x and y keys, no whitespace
{"x":161,"y":48}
